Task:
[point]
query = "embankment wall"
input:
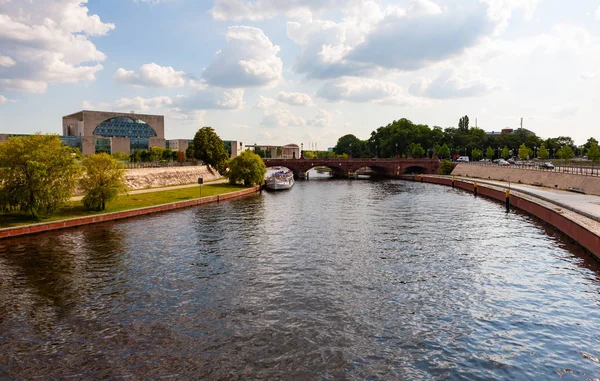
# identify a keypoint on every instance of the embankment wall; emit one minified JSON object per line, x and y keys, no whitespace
{"x":556,"y":217}
{"x":73,"y":222}
{"x":556,"y":180}
{"x":141,"y":178}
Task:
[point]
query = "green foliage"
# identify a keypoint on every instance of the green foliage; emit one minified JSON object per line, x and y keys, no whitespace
{"x":209,"y":148}
{"x":279,"y":151}
{"x":104,"y":180}
{"x":463,"y":123}
{"x":446,"y":167}
{"x":543,"y":152}
{"x":590,"y":142}
{"x":524,"y":151}
{"x":167,"y":154}
{"x":309,"y":155}
{"x":505,"y":153}
{"x":489,"y":153}
{"x":444,"y":151}
{"x":417,"y":150}
{"x":38,"y":174}
{"x":477,"y":154}
{"x":566,"y":153}
{"x":248,"y":168}
{"x":189,"y":152}
{"x":120,"y":156}
{"x":593,"y":152}
{"x":350,"y":145}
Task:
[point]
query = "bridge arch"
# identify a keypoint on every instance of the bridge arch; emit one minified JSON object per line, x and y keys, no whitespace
{"x":415,"y":169}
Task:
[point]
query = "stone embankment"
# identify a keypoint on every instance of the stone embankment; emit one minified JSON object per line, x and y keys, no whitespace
{"x":160,"y":177}
{"x":555,"y":180}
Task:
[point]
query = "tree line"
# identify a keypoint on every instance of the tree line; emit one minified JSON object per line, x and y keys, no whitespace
{"x":404,"y":138}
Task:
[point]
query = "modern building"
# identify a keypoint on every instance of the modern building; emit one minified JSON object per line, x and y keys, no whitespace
{"x":288,"y":151}
{"x":179,"y":144}
{"x":101,"y":131}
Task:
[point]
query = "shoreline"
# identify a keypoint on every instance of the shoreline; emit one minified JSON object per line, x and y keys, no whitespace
{"x":24,"y":230}
{"x":582,"y":229}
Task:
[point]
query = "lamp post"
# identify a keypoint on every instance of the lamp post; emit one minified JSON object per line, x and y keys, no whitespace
{"x":534,"y":152}
{"x":396,"y":149}
{"x":350,"y":149}
{"x":552,"y":153}
{"x":376,"y":152}
{"x":302,"y":150}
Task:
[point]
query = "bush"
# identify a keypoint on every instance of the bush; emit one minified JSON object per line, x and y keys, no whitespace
{"x":248,"y":168}
{"x":447,"y":167}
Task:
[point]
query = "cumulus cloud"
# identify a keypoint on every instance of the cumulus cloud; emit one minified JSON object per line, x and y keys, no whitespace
{"x":449,"y":84}
{"x":280,"y":117}
{"x":213,"y":99}
{"x":3,"y":99}
{"x":265,"y":102}
{"x":48,"y":42}
{"x":249,"y":59}
{"x":355,"y":89}
{"x":142,"y":104}
{"x":151,"y":75}
{"x":265,"y":9}
{"x":295,"y":99}
{"x":323,"y":118}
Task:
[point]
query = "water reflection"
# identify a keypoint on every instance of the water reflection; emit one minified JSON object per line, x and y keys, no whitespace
{"x":332,"y":279}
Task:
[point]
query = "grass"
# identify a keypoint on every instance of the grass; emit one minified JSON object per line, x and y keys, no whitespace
{"x":74,"y":209}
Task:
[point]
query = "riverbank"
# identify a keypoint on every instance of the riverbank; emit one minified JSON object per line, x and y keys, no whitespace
{"x":126,"y":206}
{"x":581,"y":226}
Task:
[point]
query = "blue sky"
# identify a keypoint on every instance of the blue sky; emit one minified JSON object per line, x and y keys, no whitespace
{"x":303,"y":71}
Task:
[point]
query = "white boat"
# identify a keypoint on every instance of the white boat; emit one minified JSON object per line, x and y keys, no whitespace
{"x":280,"y":180}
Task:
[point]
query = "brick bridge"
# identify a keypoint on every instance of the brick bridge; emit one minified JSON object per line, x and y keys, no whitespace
{"x":341,"y":167}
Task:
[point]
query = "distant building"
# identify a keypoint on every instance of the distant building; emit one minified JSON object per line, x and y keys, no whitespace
{"x":101,"y":131}
{"x":509,"y":131}
{"x":179,"y":144}
{"x":288,"y":151}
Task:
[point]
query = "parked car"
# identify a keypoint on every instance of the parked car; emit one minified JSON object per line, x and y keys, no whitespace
{"x":503,"y":162}
{"x":547,"y":165}
{"x":464,"y":159}
{"x":518,"y":162}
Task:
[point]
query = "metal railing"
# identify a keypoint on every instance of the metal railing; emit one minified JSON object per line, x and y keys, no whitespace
{"x":584,"y":170}
{"x":157,"y":164}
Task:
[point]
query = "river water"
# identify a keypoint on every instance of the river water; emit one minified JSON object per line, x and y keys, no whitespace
{"x":331,"y":280}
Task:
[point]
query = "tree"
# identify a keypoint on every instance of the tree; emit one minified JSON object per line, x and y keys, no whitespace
{"x":476,"y":153}
{"x":349,"y":144}
{"x":180,"y":156}
{"x":489,"y":153}
{"x":590,"y":142}
{"x":247,"y":167}
{"x":524,"y":151}
{"x":136,"y":156}
{"x":309,"y":155}
{"x":416,"y":150}
{"x":543,"y":153}
{"x":446,"y":167}
{"x":463,"y":124}
{"x":104,"y":180}
{"x":38,"y":174}
{"x":444,"y":151}
{"x":209,"y":148}
{"x":167,"y":154}
{"x":566,"y":153}
{"x":594,"y":153}
{"x":189,"y":152}
{"x":505,"y":153}
{"x":120,"y":156}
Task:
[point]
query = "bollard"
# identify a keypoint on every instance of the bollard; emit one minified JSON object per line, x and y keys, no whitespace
{"x":452,"y":181}
{"x":421,"y":178}
{"x":475,"y":188}
{"x":507,"y":200}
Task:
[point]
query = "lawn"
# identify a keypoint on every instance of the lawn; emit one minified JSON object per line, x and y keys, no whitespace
{"x":75,"y":209}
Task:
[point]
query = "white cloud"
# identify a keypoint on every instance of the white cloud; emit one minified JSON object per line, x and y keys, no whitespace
{"x":142,"y":104}
{"x":356,"y":89}
{"x":265,"y":102}
{"x":295,"y":99}
{"x":450,"y":84}
{"x":3,"y":99}
{"x":6,"y":61}
{"x":213,"y":99}
{"x":598,"y":13}
{"x":249,"y":59}
{"x":151,"y":75}
{"x":48,"y":42}
{"x":323,"y":118}
{"x":280,"y":117}
{"x":265,"y":9}
{"x":589,"y":75}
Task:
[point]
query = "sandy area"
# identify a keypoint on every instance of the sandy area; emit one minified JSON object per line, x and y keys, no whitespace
{"x":159,"y":177}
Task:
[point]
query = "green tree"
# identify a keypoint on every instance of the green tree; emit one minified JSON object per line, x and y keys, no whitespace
{"x":350,"y":145}
{"x":593,"y":153}
{"x":489,"y":153}
{"x":476,"y":153}
{"x":589,"y":143}
{"x":247,"y":167}
{"x":446,"y":167}
{"x":566,"y":153}
{"x":416,"y":150}
{"x":463,"y":124}
{"x":543,"y":153}
{"x":167,"y":154}
{"x":38,"y":174}
{"x":524,"y":151}
{"x":505,"y":153}
{"x":209,"y":148}
{"x":309,"y":155}
{"x":104,"y":180}
{"x":120,"y":156}
{"x":444,"y":151}
{"x":189,"y":152}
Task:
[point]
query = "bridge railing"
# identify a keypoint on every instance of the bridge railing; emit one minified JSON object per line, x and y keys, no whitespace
{"x":583,"y":170}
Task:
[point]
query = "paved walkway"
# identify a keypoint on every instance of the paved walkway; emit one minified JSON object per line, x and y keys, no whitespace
{"x":587,"y":205}
{"x":149,"y":190}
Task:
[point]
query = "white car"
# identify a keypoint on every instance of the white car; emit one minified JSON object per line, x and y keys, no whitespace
{"x":464,"y":159}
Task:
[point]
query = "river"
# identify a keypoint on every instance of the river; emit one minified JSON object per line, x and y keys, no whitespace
{"x":331,"y":280}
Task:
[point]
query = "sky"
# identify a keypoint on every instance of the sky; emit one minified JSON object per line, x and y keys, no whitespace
{"x":303,"y":71}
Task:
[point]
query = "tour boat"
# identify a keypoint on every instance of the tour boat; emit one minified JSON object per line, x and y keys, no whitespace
{"x":280,"y":180}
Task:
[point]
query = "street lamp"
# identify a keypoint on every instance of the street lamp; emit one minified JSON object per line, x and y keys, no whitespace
{"x":396,"y":149}
{"x":534,"y":152}
{"x":302,"y":150}
{"x":376,"y":152}
{"x":350,"y":149}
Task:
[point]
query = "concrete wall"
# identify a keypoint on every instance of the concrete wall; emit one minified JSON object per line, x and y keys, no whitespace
{"x":178,"y":144}
{"x":4,"y":137}
{"x":157,"y":142}
{"x":590,"y":184}
{"x":120,"y":145}
{"x":158,"y":177}
{"x":88,"y":145}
